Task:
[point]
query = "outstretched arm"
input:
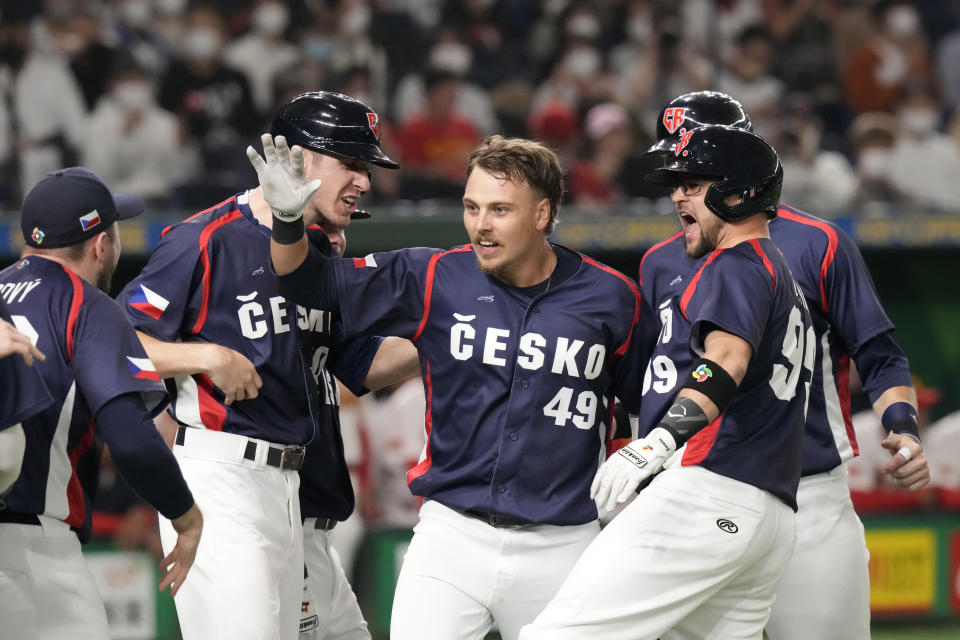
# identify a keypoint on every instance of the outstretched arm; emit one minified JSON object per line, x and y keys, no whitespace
{"x":285,"y":188}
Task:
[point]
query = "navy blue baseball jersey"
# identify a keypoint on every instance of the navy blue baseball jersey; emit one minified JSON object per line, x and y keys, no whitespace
{"x":518,"y":390}
{"x":93,"y":356}
{"x":844,"y":308}
{"x":748,"y":291}
{"x":24,"y":392}
{"x":209,"y":280}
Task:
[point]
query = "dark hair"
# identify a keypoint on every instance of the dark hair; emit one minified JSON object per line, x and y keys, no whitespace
{"x":520,"y":160}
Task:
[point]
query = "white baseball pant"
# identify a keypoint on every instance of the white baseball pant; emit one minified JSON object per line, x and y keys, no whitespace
{"x":825,"y":592}
{"x":46,"y":589}
{"x":247,"y":579}
{"x":461,"y":575}
{"x":696,"y":555}
{"x":330,"y":597}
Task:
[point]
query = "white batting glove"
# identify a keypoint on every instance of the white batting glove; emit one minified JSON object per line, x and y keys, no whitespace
{"x":618,"y":478}
{"x":282,"y":179}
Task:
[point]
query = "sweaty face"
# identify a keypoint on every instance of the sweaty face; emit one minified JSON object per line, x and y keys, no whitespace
{"x":701,"y":227}
{"x":506,"y":223}
{"x":344,"y":181}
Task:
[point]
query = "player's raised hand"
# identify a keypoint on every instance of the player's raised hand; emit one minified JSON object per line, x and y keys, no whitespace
{"x":189,"y":527}
{"x":12,"y":341}
{"x":282,"y":179}
{"x":618,"y":478}
{"x":908,"y":468}
{"x":233,"y":373}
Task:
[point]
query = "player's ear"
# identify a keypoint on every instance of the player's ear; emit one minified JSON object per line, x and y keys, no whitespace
{"x":98,"y":244}
{"x":543,"y":214}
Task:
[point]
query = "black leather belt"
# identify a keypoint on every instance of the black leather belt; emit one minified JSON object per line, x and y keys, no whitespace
{"x":324,"y":524}
{"x":280,"y":457}
{"x":13,"y":517}
{"x":495,"y":520}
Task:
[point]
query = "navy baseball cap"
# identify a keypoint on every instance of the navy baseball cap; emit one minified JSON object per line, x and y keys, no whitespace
{"x":71,"y":205}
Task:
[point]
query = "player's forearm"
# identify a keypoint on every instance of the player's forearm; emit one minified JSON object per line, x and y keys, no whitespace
{"x":176,"y":358}
{"x":312,"y":283}
{"x":396,"y":360}
{"x":892,"y":395}
{"x":287,"y":257}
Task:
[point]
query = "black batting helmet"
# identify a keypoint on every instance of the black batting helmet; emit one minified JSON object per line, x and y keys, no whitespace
{"x":742,"y":162}
{"x":332,"y":123}
{"x":695,"y":110}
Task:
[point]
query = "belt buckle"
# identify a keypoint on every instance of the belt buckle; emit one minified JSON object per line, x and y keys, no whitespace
{"x":292,"y":458}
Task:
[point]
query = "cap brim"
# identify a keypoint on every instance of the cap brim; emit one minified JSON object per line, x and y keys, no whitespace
{"x":128,"y":205}
{"x":360,"y":214}
{"x":381,"y":159}
{"x":662,"y":177}
{"x":665,"y":145}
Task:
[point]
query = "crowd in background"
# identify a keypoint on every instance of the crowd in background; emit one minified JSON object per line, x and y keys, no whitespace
{"x":161,"y":97}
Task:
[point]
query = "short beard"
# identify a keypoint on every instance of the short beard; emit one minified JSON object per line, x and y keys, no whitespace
{"x":708,"y":243}
{"x":105,"y":280}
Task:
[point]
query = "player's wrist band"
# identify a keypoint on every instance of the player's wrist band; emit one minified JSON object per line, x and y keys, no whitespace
{"x":901,"y":417}
{"x":710,"y":379}
{"x":683,"y":420}
{"x":287,"y":232}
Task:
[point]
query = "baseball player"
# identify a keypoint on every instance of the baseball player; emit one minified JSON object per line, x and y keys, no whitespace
{"x":699,"y":552}
{"x":104,"y":389}
{"x":24,"y":394}
{"x":523,"y":344}
{"x":253,"y":386}
{"x":848,"y":322}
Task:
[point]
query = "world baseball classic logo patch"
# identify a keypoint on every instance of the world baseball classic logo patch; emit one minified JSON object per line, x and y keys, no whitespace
{"x":701,"y":373}
{"x":37,"y":235}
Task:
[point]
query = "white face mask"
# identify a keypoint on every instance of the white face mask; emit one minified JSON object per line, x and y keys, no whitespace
{"x":918,"y":119}
{"x":582,"y":62}
{"x":133,"y":95}
{"x":903,"y":21}
{"x":583,"y":25}
{"x":356,"y":20}
{"x":451,"y":56}
{"x":271,"y":18}
{"x":873,"y":162}
{"x":639,"y":29}
{"x":136,"y":13}
{"x":201,"y":44}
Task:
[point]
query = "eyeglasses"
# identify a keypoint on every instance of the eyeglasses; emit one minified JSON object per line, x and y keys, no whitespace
{"x":690,"y":185}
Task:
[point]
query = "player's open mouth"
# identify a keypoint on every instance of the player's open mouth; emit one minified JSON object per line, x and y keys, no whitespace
{"x":351,"y":203}
{"x":485,"y":247}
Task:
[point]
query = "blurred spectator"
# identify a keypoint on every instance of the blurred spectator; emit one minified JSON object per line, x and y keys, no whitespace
{"x":924,"y":163}
{"x":48,"y":113}
{"x":634,"y":62}
{"x":452,"y":56}
{"x":942,"y":448}
{"x":394,"y":418}
{"x":131,"y":141}
{"x":436,"y":143}
{"x":213,"y":102}
{"x":711,"y":27}
{"x":872,"y":136}
{"x":263,"y":52}
{"x":120,"y":515}
{"x":594,"y":177}
{"x":897,"y":52}
{"x":814,"y":179}
{"x":168,"y":22}
{"x":948,"y":69}
{"x":557,"y":125}
{"x":747,"y":76}
{"x":865,"y":471}
{"x":135,"y":31}
{"x":90,"y":55}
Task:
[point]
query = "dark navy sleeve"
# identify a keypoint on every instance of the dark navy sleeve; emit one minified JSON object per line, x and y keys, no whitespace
{"x":158,"y":300}
{"x":24,"y":393}
{"x":141,"y":455}
{"x":882,"y":364}
{"x":629,"y":371}
{"x":384,"y":293}
{"x":108,"y":359}
{"x":313,"y":283}
{"x":350,"y":361}
{"x":734,"y":293}
{"x":851,"y":299}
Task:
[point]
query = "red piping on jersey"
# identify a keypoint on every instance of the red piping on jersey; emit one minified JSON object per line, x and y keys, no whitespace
{"x":428,"y":287}
{"x":423,"y":466}
{"x":636,"y":296}
{"x":75,"y":499}
{"x":207,"y":210}
{"x":828,"y":255}
{"x":651,"y":250}
{"x":74,"y":312}
{"x":700,"y":444}
{"x":843,"y":391}
{"x":692,"y":287}
{"x":205,"y":258}
{"x":766,"y":261}
{"x":213,"y":415}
